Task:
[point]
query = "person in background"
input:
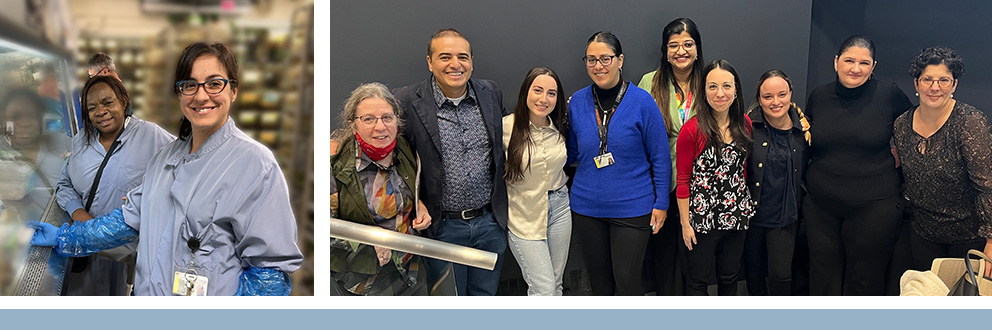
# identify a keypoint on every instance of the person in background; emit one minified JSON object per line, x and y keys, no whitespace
{"x":944,"y":149}
{"x":712,"y":192}
{"x":673,"y":87}
{"x":618,"y":196}
{"x":453,"y":122}
{"x":212,"y":212}
{"x":25,"y":137}
{"x":375,"y":177}
{"x":853,"y":209}
{"x":775,"y":170}
{"x":117,"y":146}
{"x":540,"y":223}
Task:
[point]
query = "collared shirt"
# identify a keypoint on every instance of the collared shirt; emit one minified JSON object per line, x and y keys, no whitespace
{"x":465,"y":152}
{"x":528,"y":198}
{"x":230,"y":194}
{"x":139,"y":142}
{"x":373,"y":176}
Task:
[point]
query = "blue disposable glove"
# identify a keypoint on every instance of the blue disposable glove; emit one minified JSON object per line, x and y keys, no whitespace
{"x":45,"y":234}
{"x":255,"y":281}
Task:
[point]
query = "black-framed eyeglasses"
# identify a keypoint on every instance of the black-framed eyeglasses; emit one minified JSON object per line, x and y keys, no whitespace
{"x":211,"y":86}
{"x":591,"y":60}
{"x":943,"y":82}
{"x":687,"y":45}
{"x":370,"y":120}
{"x":101,"y":72}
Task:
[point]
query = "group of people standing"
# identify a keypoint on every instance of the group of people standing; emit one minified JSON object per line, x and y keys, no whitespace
{"x":676,"y":165}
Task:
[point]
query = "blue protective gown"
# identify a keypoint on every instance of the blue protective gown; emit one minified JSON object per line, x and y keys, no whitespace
{"x":140,"y":141}
{"x":236,"y":201}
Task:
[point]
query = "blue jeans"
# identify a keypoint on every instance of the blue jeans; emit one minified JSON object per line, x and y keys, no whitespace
{"x":482,"y":233}
{"x":542,"y":262}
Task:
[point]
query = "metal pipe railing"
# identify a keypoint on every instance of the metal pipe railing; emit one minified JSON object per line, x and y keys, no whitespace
{"x":376,"y":236}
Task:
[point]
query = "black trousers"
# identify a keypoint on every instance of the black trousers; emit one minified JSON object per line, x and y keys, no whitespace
{"x":663,"y":259}
{"x":718,"y":250}
{"x":768,"y":252}
{"x":850,"y":244}
{"x":614,"y":252}
{"x":924,"y":250}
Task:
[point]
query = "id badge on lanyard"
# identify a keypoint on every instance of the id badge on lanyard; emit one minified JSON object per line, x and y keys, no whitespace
{"x":192,"y":279}
{"x":605,"y":158}
{"x":684,"y":109}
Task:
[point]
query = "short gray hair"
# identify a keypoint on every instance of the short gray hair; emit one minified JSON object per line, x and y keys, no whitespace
{"x":365,"y":91}
{"x":99,"y":61}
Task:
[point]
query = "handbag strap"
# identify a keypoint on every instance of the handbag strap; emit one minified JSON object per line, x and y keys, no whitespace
{"x":967,"y":263}
{"x":99,"y":172}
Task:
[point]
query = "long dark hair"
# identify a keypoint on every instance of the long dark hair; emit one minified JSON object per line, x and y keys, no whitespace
{"x":119,"y":91}
{"x":706,"y":120}
{"x":185,"y":68}
{"x":520,"y":138}
{"x":665,"y":76}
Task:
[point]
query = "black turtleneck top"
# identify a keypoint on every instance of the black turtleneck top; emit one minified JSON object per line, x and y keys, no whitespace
{"x":850,"y":156}
{"x":607,"y":97}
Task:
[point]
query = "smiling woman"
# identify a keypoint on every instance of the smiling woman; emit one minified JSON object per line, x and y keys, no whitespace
{"x":853,"y":209}
{"x":613,"y":137}
{"x":375,"y":183}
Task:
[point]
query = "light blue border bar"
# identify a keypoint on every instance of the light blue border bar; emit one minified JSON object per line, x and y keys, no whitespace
{"x":491,"y":319}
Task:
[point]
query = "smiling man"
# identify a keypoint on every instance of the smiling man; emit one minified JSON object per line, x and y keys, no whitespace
{"x":454,"y":123}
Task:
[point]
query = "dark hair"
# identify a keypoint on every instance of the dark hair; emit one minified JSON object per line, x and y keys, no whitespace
{"x":101,"y":60}
{"x":665,"y":76}
{"x":706,"y":120}
{"x":185,"y":68}
{"x":607,"y":38}
{"x":23,"y":93}
{"x":937,"y":56}
{"x":443,"y":33}
{"x":761,"y":81}
{"x":119,"y":91}
{"x":857,"y":41}
{"x":520,"y":139}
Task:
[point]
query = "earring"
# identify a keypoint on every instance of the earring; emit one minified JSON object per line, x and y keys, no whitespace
{"x":952,"y":96}
{"x":917,"y":94}
{"x":621,"y":69}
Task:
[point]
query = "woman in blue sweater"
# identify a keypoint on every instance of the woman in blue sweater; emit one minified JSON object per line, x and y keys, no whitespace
{"x":623,"y":170}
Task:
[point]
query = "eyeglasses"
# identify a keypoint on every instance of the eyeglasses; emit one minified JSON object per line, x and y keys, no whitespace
{"x":212,"y":86}
{"x":687,"y":45}
{"x":370,"y":120}
{"x":715,"y":87}
{"x":104,"y":71}
{"x":605,"y":60}
{"x":943,"y":82}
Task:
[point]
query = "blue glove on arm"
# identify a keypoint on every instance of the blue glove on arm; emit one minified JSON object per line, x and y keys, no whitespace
{"x":255,"y":281}
{"x":45,"y":234}
{"x":86,"y":238}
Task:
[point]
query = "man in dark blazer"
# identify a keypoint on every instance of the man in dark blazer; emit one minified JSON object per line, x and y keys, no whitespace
{"x":455,"y":124}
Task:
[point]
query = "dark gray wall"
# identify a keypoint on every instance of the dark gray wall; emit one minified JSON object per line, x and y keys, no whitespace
{"x":900,"y":30}
{"x":386,"y":41}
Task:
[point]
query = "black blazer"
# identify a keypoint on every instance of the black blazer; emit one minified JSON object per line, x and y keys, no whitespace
{"x":759,"y":153}
{"x":421,"y":130}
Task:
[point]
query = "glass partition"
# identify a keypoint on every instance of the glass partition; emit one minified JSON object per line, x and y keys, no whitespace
{"x":37,"y":119}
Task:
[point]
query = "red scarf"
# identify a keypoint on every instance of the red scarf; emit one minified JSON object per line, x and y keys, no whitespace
{"x":376,"y":154}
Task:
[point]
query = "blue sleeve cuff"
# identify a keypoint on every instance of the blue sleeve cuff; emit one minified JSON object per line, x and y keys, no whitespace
{"x":72,"y":205}
{"x":257,"y":281}
{"x":100,"y":233}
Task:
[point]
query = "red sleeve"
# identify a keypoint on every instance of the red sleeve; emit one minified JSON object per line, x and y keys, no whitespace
{"x":687,"y":148}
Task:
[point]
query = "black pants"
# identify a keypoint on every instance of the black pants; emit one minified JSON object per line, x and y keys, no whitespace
{"x":614,"y":252}
{"x":718,"y":250}
{"x":768,"y":252}
{"x":663,"y":257}
{"x":924,"y":250}
{"x":850,"y":244}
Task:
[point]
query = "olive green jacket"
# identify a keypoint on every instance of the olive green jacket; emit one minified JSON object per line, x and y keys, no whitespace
{"x":353,"y":206}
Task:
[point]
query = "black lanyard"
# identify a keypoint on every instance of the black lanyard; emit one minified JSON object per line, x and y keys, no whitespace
{"x":99,"y":172}
{"x":603,"y":124}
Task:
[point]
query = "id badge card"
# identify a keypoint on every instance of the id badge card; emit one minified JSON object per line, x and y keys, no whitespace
{"x":604,"y":160}
{"x":189,"y":283}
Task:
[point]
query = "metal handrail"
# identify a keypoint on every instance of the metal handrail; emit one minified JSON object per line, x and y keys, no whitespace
{"x":376,"y":236}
